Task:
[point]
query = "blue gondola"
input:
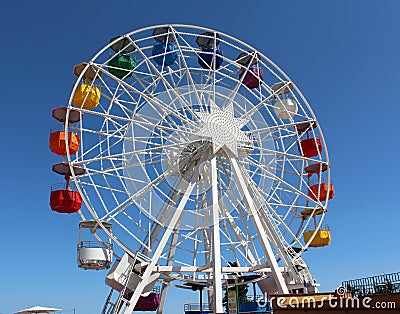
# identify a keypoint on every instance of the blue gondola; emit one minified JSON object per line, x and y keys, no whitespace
{"x":207,"y":41}
{"x":165,"y":54}
{"x":206,"y":57}
{"x":164,"y":50}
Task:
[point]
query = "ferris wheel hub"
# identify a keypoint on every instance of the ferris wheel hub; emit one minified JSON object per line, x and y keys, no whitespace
{"x":192,"y":159}
{"x":223,"y":128}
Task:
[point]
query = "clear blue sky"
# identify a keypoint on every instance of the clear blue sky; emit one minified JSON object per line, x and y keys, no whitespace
{"x":344,"y":55}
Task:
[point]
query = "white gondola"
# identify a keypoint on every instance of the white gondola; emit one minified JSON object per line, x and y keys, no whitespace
{"x":284,"y":105}
{"x":285,"y":108}
{"x":94,"y":254}
{"x":126,"y":273}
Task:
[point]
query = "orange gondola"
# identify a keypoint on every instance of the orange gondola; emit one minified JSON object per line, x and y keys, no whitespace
{"x":321,"y":191}
{"x":58,"y":143}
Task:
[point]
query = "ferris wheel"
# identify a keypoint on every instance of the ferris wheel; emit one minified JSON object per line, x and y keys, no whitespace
{"x":197,"y":160}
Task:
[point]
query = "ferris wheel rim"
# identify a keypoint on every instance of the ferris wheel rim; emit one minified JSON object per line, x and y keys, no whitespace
{"x":230,"y":37}
{"x":93,"y":212}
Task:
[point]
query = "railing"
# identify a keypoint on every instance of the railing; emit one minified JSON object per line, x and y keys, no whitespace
{"x":249,"y":298}
{"x":312,"y":228}
{"x":382,"y":284}
{"x":63,"y":186}
{"x":109,"y":306}
{"x":195,"y":307}
{"x":59,"y":128}
{"x":94,"y":244}
{"x":142,"y":258}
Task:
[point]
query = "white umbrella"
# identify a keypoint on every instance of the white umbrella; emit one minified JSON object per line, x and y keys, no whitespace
{"x":38,"y":309}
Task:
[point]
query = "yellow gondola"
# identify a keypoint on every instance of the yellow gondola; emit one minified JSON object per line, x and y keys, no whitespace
{"x":86,"y":96}
{"x":322,"y":237}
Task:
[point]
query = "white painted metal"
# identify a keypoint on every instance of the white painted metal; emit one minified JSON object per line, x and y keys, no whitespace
{"x":279,"y":280}
{"x":164,"y":288}
{"x":120,"y":275}
{"x":93,"y":254}
{"x":163,"y":296}
{"x":234,"y":150}
{"x":149,"y":269}
{"x":216,"y":256}
{"x":94,"y":257}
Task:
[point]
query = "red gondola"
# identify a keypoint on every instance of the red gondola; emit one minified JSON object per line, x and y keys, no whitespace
{"x":253,"y":77}
{"x":65,"y":200}
{"x":145,"y":303}
{"x":148,"y":303}
{"x":310,"y":147}
{"x":253,"y":74}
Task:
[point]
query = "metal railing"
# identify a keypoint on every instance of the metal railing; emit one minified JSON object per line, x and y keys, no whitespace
{"x":94,"y":244}
{"x":195,"y":307}
{"x":63,"y":186}
{"x":381,"y":284}
{"x":312,"y":228}
{"x":250,"y":298}
{"x":59,"y":128}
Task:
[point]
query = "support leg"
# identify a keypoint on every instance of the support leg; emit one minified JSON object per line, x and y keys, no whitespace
{"x":171,"y":255}
{"x":161,"y":246}
{"x":217,"y":276}
{"x":242,"y":184}
{"x":162,"y":299}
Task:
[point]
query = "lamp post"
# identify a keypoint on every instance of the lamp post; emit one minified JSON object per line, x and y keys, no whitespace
{"x":199,"y":287}
{"x":237,"y":295}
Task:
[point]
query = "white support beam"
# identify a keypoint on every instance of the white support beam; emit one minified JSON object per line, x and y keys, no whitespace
{"x":238,"y":233}
{"x":163,"y":296}
{"x":171,"y":255}
{"x":242,"y":184}
{"x":216,"y":257}
{"x":207,"y":229}
{"x":160,"y":248}
{"x":209,"y":269}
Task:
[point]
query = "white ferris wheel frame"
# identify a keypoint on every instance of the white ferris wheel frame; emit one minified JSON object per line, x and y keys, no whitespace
{"x":262,"y":224}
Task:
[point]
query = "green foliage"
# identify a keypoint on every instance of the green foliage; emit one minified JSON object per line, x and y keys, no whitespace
{"x":387,"y":288}
{"x":242,"y":291}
